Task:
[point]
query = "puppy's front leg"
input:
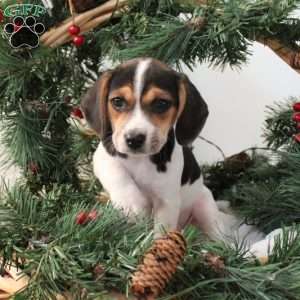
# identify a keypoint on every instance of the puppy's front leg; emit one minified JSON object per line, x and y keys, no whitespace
{"x":166,"y":213}
{"x":123,"y":191}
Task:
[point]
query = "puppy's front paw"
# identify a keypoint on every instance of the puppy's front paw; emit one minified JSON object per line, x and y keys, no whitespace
{"x":130,"y":210}
{"x":132,"y":207}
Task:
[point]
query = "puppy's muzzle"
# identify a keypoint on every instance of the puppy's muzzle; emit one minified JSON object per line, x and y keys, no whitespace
{"x":135,"y":140}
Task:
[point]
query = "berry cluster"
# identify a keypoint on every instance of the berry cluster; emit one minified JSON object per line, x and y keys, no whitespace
{"x":78,"y":39}
{"x":85,"y":217}
{"x":77,"y":113}
{"x":1,"y":16}
{"x":296,"y":118}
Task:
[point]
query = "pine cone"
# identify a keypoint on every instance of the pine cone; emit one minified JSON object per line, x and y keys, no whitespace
{"x":158,"y":266}
{"x":215,"y":262}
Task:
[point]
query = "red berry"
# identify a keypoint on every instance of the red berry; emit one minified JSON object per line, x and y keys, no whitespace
{"x":1,"y":16}
{"x":98,"y":271}
{"x":33,"y":167}
{"x":296,"y":117}
{"x":93,"y":214}
{"x":78,"y":40}
{"x":296,"y":106}
{"x":297,"y":137}
{"x":81,"y":218}
{"x":76,"y":112}
{"x":74,"y":30}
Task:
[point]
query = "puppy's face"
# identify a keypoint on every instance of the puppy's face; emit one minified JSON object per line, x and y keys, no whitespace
{"x":142,"y":106}
{"x":135,"y":106}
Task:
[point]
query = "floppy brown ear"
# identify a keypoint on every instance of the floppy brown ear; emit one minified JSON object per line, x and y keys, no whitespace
{"x":94,"y":106}
{"x":193,"y":112}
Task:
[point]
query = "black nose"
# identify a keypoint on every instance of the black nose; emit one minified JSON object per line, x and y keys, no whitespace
{"x":135,"y":141}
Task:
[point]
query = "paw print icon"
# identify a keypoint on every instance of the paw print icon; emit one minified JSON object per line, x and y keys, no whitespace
{"x":24,"y":33}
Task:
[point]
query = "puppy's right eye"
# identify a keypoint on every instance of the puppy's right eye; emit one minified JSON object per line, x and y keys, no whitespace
{"x":160,"y":106}
{"x":119,"y":103}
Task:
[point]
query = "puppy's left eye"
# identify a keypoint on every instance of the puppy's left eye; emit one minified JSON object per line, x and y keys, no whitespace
{"x":160,"y":106}
{"x":119,"y":103}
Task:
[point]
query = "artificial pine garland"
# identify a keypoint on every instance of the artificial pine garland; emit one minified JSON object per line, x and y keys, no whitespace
{"x":39,"y":227}
{"x":86,"y":21}
{"x":93,"y":15}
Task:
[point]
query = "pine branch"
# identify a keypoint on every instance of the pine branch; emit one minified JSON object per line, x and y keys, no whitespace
{"x":35,"y":128}
{"x":279,"y":127}
{"x":284,"y":44}
{"x":61,"y":255}
{"x":267,"y":195}
{"x":222,"y":37}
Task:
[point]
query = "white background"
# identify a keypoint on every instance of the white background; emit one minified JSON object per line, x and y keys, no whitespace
{"x":237,"y":101}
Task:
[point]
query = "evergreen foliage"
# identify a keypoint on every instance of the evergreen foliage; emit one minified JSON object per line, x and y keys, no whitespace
{"x":217,"y":32}
{"x":38,"y":90}
{"x":279,"y":126}
{"x":41,"y":232}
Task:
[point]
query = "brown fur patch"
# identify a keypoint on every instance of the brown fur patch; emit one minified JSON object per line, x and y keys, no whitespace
{"x":103,"y":88}
{"x":192,"y":112}
{"x":163,"y":121}
{"x":125,"y":92}
{"x":155,"y":93}
{"x":182,"y":98}
{"x":117,"y":118}
{"x":161,"y":65}
{"x":128,"y":63}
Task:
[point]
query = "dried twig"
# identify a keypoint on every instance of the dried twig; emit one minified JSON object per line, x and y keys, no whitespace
{"x":87,"y":21}
{"x":290,"y":56}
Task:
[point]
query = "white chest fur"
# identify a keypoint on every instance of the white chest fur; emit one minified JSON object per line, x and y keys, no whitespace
{"x":149,"y":179}
{"x":137,"y":187}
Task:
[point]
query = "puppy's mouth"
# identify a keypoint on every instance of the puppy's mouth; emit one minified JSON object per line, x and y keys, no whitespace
{"x":152,"y":148}
{"x":139,"y":153}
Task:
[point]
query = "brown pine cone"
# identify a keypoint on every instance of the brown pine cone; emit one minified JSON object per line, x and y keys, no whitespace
{"x":215,"y":262}
{"x":158,"y":266}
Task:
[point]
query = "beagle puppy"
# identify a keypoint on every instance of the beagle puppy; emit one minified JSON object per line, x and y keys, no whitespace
{"x":147,"y":116}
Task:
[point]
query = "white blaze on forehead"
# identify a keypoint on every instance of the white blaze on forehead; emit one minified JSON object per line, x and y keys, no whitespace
{"x":139,"y":78}
{"x":138,"y":120}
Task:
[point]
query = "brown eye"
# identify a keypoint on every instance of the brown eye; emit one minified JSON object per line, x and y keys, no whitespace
{"x":119,"y":103}
{"x":160,"y":106}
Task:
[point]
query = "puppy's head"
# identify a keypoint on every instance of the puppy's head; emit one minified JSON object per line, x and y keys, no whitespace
{"x":137,"y":104}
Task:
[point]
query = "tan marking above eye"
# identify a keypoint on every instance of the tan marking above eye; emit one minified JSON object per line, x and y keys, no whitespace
{"x":117,"y":118}
{"x":125,"y":92}
{"x":165,"y":120}
{"x":156,"y":93}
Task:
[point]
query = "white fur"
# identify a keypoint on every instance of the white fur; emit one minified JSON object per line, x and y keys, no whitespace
{"x":136,"y":187}
{"x":139,"y":78}
{"x":265,"y":247}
